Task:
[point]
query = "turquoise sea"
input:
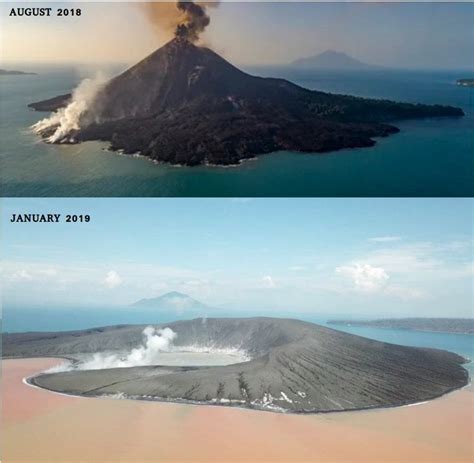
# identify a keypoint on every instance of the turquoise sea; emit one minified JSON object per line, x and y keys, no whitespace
{"x":462,"y":344}
{"x":432,"y":157}
{"x":61,"y":319}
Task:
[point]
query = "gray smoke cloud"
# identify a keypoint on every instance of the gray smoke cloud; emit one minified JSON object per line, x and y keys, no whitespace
{"x":182,"y":19}
{"x":195,"y":20}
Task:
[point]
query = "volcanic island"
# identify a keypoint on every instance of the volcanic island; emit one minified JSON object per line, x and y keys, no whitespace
{"x":184,"y":104}
{"x":287,"y":366}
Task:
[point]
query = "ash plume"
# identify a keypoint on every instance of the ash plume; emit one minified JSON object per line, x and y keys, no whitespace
{"x":195,"y":20}
{"x":183,"y":19}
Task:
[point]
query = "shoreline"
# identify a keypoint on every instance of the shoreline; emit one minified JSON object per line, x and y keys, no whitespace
{"x":30,"y":381}
{"x":350,"y":325}
{"x":132,"y":431}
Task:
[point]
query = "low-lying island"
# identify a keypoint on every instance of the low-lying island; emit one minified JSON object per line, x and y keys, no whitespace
{"x":293,"y":366}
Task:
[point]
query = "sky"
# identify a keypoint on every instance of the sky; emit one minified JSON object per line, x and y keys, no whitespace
{"x":367,"y":257}
{"x":406,"y":35}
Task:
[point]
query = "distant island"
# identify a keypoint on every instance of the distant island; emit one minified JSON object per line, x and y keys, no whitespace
{"x":173,"y":300}
{"x":441,"y":325}
{"x":465,"y":82}
{"x":332,"y":60}
{"x":4,"y":72}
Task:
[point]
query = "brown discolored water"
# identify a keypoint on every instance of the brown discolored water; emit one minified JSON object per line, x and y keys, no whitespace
{"x":41,"y":426}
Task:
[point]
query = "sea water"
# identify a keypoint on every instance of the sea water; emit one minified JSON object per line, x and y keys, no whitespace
{"x":431,"y":157}
{"x":462,"y":344}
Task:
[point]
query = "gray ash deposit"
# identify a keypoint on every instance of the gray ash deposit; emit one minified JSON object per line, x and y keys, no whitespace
{"x":290,"y":365}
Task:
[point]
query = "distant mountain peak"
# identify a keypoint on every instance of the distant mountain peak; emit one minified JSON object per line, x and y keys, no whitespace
{"x":331,"y":59}
{"x":333,"y":53}
{"x":173,"y":300}
{"x":174,"y":294}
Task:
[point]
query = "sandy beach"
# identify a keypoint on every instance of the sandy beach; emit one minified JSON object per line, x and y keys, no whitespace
{"x":41,"y":426}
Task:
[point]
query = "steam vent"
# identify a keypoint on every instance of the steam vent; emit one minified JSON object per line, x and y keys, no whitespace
{"x":294,"y":366}
{"x":184,"y":104}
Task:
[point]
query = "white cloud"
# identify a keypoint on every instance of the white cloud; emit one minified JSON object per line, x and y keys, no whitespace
{"x":80,"y":281}
{"x":457,"y":245}
{"x":49,"y":272}
{"x":424,"y":272}
{"x":267,"y":282}
{"x":364,"y":277}
{"x":22,"y":275}
{"x":385,"y":239}
{"x":297,"y":268}
{"x":112,"y":280}
{"x":412,"y":271}
{"x":412,"y":259}
{"x":28,"y":272}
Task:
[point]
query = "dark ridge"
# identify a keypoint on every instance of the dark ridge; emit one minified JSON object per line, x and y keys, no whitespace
{"x":53,"y":104}
{"x":5,"y":72}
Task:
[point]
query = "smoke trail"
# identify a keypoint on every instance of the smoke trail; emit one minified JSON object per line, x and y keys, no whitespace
{"x":61,"y":126}
{"x":155,"y":342}
{"x":183,"y":19}
{"x":195,"y":21}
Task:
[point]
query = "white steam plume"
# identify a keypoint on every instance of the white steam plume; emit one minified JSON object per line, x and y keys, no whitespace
{"x":66,"y":121}
{"x":155,"y":342}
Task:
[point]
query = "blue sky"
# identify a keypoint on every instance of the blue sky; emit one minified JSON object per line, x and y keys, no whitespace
{"x":368,"y":257}
{"x":407,"y":35}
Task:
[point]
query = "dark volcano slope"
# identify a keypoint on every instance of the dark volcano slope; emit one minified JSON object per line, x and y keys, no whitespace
{"x":296,"y":366}
{"x":185,"y":104}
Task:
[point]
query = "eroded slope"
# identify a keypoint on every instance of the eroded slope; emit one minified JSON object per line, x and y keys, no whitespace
{"x":296,"y":366}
